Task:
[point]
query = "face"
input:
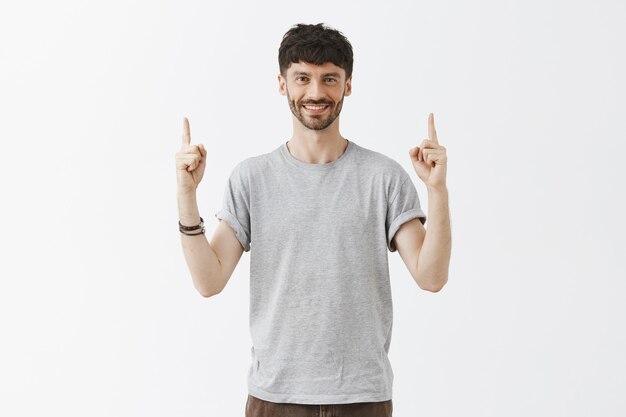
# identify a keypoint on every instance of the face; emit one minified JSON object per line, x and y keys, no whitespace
{"x":315,"y":92}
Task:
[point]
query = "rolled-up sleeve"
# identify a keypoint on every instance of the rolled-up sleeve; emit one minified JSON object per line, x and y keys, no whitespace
{"x":403,"y":206}
{"x":236,"y":207}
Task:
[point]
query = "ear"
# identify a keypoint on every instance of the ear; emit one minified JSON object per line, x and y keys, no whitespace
{"x":348,"y":87}
{"x":281,"y":85}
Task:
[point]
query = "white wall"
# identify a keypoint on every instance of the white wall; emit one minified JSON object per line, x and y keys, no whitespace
{"x":98,"y":312}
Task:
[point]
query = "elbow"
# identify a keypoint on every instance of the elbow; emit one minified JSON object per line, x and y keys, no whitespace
{"x":434,"y":288}
{"x":434,"y":285}
{"x":205,"y":290}
{"x":207,"y":294}
{"x":207,"y":284}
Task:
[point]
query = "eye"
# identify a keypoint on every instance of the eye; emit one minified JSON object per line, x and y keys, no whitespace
{"x":301,"y":78}
{"x":331,"y":80}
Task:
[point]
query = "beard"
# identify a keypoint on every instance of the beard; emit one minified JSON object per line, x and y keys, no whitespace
{"x":315,"y":122}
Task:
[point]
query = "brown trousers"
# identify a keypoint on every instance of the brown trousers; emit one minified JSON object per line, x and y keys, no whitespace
{"x":256,"y":407}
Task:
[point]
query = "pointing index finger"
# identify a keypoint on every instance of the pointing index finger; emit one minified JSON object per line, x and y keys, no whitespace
{"x":432,"y":133}
{"x":186,"y":132}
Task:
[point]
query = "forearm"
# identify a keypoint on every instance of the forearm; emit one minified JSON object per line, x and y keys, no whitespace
{"x":201,"y":259}
{"x":434,"y":257}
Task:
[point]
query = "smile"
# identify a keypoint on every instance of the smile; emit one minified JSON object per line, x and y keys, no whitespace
{"x":315,"y":108}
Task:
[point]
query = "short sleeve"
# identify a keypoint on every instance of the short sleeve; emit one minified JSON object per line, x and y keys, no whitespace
{"x":402,"y":207}
{"x":236,"y":206}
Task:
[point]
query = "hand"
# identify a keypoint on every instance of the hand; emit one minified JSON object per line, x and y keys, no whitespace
{"x":190,"y":162}
{"x":430,"y":160}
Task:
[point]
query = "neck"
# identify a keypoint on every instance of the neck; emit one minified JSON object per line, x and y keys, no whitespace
{"x":316,"y":146}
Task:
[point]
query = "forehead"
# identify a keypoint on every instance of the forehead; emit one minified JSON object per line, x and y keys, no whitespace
{"x":312,"y":69}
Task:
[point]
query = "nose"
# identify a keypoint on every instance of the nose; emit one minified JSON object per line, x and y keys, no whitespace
{"x":315,"y":90}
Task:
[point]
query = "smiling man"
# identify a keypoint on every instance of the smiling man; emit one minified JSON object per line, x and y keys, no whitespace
{"x":315,"y":114}
{"x":318,"y":214}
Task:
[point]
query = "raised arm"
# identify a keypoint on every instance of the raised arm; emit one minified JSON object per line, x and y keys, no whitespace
{"x":210,"y":264}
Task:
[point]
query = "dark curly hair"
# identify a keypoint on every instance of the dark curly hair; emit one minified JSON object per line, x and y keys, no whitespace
{"x":315,"y":44}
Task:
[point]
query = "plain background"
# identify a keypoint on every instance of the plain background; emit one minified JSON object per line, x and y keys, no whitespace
{"x":98,"y":313}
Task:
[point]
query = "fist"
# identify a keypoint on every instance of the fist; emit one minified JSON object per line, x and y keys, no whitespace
{"x":190,"y":162}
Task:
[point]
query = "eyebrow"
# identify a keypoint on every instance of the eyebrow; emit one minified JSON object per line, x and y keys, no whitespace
{"x":328,"y":74}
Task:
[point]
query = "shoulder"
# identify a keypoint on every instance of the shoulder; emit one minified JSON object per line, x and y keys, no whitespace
{"x":254,"y":164}
{"x":380,"y":164}
{"x":252,"y":168}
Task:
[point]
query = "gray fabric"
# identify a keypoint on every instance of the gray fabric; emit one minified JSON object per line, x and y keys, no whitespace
{"x":321,"y":312}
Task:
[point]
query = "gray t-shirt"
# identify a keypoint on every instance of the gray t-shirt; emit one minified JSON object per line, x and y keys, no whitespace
{"x":321,"y":312}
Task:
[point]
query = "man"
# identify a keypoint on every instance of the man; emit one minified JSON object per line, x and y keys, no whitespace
{"x":318,"y":214}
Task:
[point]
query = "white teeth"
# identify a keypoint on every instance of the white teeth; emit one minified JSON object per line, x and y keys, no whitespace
{"x":314,"y":107}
